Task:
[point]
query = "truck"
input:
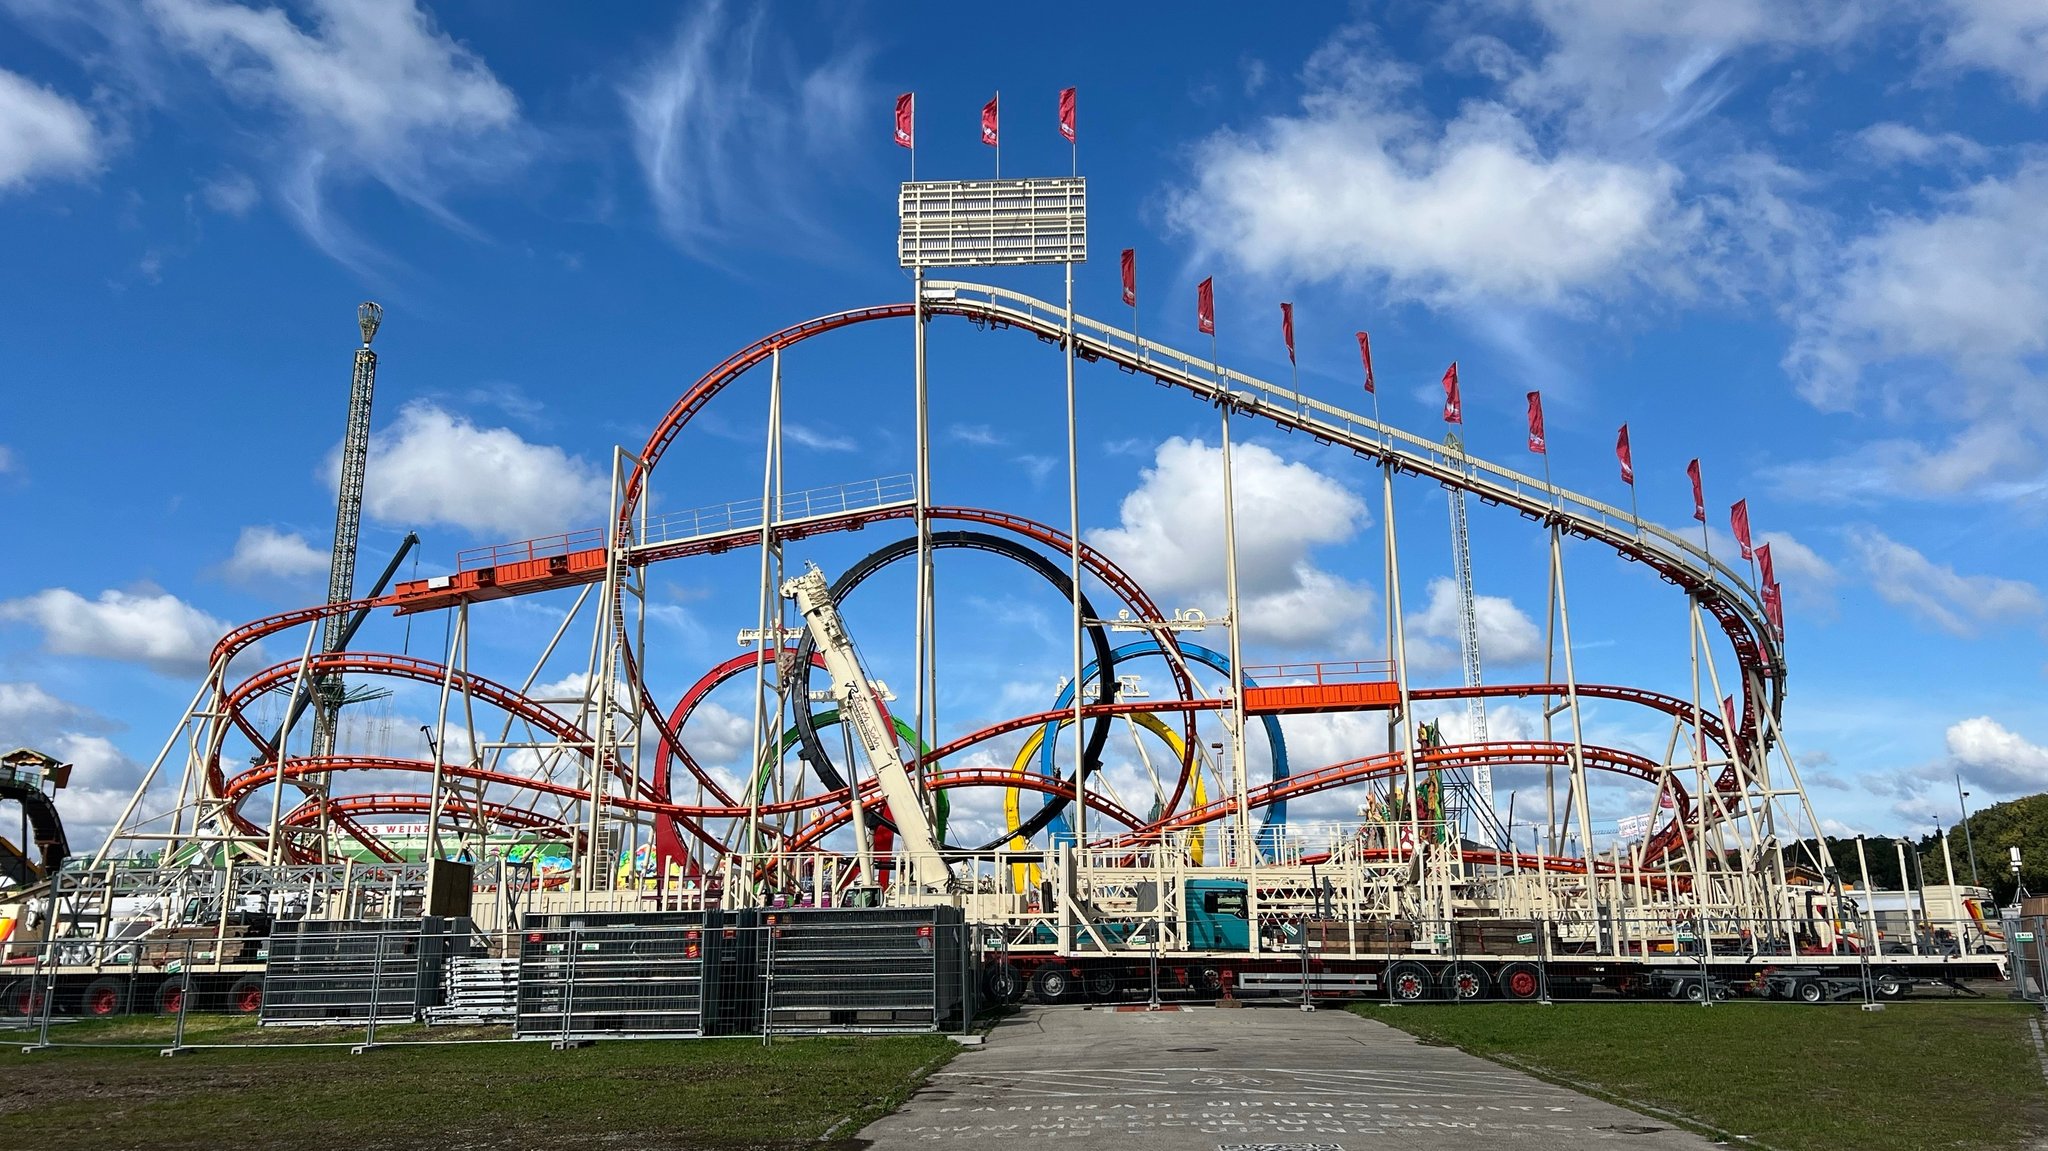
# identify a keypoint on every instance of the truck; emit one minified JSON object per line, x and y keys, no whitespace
{"x":1197,"y":933}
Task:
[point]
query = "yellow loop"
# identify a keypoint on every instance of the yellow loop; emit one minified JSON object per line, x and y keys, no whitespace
{"x":1025,"y":876}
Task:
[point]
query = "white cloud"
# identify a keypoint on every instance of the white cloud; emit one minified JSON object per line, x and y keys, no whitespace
{"x":1617,"y":73}
{"x":263,"y":552}
{"x":438,"y":467}
{"x":369,"y":89}
{"x":1994,"y":459}
{"x":731,"y":134}
{"x":1170,"y":539}
{"x":2009,"y":37}
{"x":1957,"y":604}
{"x":1988,"y":754}
{"x":42,"y":134}
{"x":1507,"y":636}
{"x":1807,"y":577}
{"x":1890,"y":142}
{"x":978,"y":435}
{"x":157,"y":630}
{"x":103,"y":779}
{"x":231,"y":194}
{"x":30,"y":716}
{"x":1357,"y":186}
{"x":6,"y":459}
{"x":1966,"y":285}
{"x":816,"y":440}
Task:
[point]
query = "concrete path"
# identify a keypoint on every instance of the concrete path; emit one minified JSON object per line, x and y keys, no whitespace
{"x":1259,"y":1077}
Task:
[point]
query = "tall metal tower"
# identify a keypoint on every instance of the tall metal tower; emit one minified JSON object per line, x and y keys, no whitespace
{"x":1468,"y":638}
{"x":348,"y":517}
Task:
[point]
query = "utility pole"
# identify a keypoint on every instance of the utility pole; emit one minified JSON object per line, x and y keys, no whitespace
{"x":1963,"y":802}
{"x":328,"y":690}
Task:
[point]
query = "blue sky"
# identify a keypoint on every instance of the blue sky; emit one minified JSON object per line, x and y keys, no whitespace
{"x":1800,"y":241}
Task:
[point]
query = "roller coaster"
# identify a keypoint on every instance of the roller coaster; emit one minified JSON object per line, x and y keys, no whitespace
{"x":610,"y":793}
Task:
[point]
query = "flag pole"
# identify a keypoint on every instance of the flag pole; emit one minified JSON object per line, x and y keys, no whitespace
{"x":999,"y":175}
{"x":913,"y":137}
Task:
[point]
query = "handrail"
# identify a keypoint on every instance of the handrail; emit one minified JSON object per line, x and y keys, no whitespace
{"x":1369,"y":437}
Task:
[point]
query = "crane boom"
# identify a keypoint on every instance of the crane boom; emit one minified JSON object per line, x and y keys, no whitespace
{"x":861,"y":704}
{"x":348,"y":517}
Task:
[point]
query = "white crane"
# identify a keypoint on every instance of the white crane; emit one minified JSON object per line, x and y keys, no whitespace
{"x":860,"y":704}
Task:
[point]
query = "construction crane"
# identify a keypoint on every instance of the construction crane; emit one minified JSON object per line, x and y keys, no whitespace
{"x":329,"y":692}
{"x":1468,"y":642}
{"x":860,"y":704}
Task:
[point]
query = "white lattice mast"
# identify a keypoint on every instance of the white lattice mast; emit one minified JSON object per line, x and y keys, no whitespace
{"x":348,"y":518}
{"x":1468,"y":634}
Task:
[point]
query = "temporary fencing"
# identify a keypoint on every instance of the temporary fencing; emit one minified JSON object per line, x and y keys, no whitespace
{"x":573,"y":978}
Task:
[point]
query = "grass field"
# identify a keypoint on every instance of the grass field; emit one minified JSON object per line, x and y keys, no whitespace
{"x":1913,"y":1077}
{"x":718,"y":1094}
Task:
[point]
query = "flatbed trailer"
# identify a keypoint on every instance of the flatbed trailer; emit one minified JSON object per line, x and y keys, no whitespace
{"x":1069,"y":956}
{"x":1052,"y":978}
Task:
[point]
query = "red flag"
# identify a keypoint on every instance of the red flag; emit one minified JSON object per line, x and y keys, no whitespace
{"x":1699,"y":499}
{"x":1067,"y":114}
{"x":1536,"y":423}
{"x":1454,"y":411}
{"x":906,"y":115}
{"x":1763,"y":559}
{"x":1129,"y":260}
{"x":1774,"y":608}
{"x":1738,"y":517}
{"x":1205,"y":307}
{"x":1365,"y":353}
{"x":1287,"y":329}
{"x":989,"y":113}
{"x":1627,"y":458}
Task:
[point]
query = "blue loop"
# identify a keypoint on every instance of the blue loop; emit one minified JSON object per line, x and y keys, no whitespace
{"x":1061,"y":829}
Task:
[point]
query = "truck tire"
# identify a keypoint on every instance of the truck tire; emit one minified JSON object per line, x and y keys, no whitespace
{"x":1521,"y":981}
{"x":19,"y":999}
{"x":1100,"y":983}
{"x":246,"y":996}
{"x":1467,"y":982}
{"x":1695,"y":991}
{"x":1053,"y":985}
{"x":170,"y":996}
{"x":1004,"y":984}
{"x":1890,"y":987}
{"x":1210,"y":980}
{"x":103,"y":999}
{"x":1810,"y":991}
{"x":1409,"y":982}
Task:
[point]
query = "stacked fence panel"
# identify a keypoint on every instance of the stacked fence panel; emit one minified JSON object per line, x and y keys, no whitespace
{"x":612,"y":975}
{"x":352,"y":971}
{"x":888,"y":969}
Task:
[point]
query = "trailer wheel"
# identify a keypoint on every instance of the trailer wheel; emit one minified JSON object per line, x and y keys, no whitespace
{"x":1467,"y":982}
{"x":1005,"y":985}
{"x":1408,"y":982}
{"x":170,"y":997}
{"x":1052,"y":985}
{"x":104,"y":998}
{"x":19,"y":999}
{"x":1810,"y":991}
{"x":1889,"y":987}
{"x":1210,"y":980}
{"x":246,"y":996}
{"x":1521,"y":981}
{"x":1695,"y":991}
{"x":1100,"y":983}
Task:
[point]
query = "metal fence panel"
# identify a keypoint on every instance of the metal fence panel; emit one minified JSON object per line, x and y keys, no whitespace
{"x":612,"y":975}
